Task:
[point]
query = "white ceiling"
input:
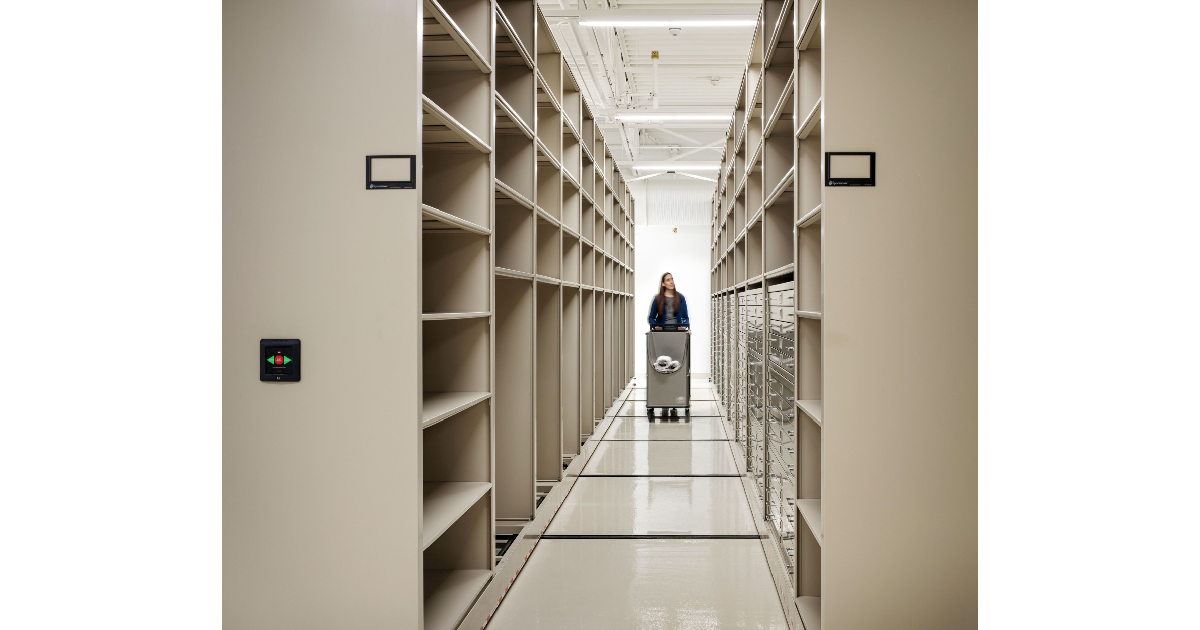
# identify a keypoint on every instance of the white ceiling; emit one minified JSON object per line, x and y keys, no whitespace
{"x":688,"y":65}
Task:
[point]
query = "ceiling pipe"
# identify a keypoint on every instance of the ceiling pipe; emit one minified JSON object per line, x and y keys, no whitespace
{"x":587,"y":60}
{"x":591,"y":91}
{"x":621,"y":131}
{"x":654,"y":84}
{"x":712,"y":146}
{"x":595,"y":41}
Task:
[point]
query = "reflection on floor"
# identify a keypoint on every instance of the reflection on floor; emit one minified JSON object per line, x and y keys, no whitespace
{"x":656,"y":533}
{"x":634,"y":408}
{"x":655,"y":505}
{"x":661,"y":458}
{"x":703,"y":394}
{"x":706,"y":428}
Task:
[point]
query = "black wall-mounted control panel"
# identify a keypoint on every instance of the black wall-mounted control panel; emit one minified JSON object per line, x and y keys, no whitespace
{"x":849,"y":168}
{"x":391,"y":171}
{"x":279,"y":360}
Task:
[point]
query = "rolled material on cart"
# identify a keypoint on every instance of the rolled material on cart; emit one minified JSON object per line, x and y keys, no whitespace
{"x":665,"y":365}
{"x":669,"y":368}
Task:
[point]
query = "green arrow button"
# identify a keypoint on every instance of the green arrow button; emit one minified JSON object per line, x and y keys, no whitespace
{"x":286,"y":360}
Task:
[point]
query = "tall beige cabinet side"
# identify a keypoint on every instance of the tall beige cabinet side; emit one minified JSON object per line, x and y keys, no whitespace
{"x":844,"y":336}
{"x":320,"y":477}
{"x":460,"y":340}
{"x":900,"y":311}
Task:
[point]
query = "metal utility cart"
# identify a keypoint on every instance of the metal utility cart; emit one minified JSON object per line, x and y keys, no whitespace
{"x":668,"y":370}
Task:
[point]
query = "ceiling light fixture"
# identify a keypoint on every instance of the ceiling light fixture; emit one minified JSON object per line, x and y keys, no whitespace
{"x":668,"y":22}
{"x":680,"y":167}
{"x":640,"y":117}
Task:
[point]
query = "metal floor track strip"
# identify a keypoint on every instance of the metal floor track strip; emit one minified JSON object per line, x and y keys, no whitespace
{"x":690,"y":415}
{"x":673,"y":440}
{"x":650,"y":536}
{"x":509,"y":569}
{"x":775,"y":562}
{"x":661,"y":475}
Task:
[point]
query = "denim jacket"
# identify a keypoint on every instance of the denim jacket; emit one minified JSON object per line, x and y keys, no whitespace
{"x":656,"y":318}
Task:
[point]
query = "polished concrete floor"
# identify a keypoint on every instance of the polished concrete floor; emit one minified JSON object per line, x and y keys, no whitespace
{"x":656,"y":533}
{"x":639,"y":429}
{"x":697,"y":394}
{"x":637,"y":408}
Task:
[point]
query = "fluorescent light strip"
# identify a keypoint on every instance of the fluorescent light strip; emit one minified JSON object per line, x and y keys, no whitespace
{"x":696,"y":117}
{"x":681,"y":167}
{"x":642,"y":23}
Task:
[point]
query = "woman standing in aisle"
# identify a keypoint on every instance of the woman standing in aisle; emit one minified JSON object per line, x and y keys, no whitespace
{"x":668,"y":308}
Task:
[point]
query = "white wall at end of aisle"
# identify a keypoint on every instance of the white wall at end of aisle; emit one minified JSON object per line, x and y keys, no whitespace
{"x":685,"y":254}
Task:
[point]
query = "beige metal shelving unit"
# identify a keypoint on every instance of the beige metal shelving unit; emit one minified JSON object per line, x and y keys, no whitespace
{"x":461,"y":339}
{"x":561,"y":285}
{"x":457,"y":304}
{"x":851,"y":257}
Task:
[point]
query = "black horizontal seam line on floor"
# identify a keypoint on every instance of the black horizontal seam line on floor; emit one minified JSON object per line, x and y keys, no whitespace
{"x":669,"y":420}
{"x":651,"y":537}
{"x":674,"y":440}
{"x":660,"y":475}
{"x":690,"y":415}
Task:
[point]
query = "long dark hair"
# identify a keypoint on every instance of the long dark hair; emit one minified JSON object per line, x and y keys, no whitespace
{"x":662,"y":294}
